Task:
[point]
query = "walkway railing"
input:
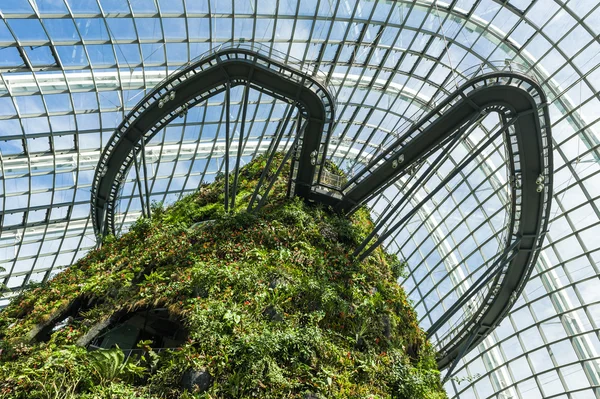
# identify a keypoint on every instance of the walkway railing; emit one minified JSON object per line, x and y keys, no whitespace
{"x":520,"y":102}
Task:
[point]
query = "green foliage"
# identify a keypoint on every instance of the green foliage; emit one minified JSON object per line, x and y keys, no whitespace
{"x":43,"y":374}
{"x":120,"y":390}
{"x":108,"y":365}
{"x":274,"y":304}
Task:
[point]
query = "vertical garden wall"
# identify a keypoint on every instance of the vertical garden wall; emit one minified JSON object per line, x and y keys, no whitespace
{"x":198,"y":303}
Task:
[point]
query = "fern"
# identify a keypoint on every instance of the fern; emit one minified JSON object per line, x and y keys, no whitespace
{"x":107,"y":364}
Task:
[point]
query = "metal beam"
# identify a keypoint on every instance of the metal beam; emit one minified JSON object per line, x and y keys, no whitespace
{"x":406,"y":195}
{"x":139,"y":185}
{"x":286,"y":158}
{"x":196,"y":83}
{"x":504,"y":92}
{"x":227,"y":134}
{"x":240,"y":144}
{"x":414,"y":210}
{"x":271,"y":154}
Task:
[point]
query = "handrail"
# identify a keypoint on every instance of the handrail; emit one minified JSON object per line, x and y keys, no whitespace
{"x":262,"y":49}
{"x":518,"y":98}
{"x":521,"y":103}
{"x":198,"y":81}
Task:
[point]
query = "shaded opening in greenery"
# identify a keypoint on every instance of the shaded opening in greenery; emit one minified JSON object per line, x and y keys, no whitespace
{"x":156,"y":326}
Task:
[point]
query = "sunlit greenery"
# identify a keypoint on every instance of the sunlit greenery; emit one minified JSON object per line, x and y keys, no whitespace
{"x":273,"y":302}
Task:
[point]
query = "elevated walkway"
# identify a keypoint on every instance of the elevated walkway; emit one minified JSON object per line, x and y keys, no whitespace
{"x":521,"y":104}
{"x":518,"y":100}
{"x":211,"y":74}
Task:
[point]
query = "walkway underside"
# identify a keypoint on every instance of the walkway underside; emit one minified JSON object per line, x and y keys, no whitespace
{"x":191,"y":86}
{"x":518,"y":100}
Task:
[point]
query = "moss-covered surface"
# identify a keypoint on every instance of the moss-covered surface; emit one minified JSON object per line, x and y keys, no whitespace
{"x":274,"y":305}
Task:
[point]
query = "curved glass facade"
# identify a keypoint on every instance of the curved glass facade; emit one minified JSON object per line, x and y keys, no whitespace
{"x":70,"y":70}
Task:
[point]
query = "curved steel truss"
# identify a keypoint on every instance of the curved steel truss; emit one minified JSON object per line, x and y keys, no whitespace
{"x":209,"y":75}
{"x":521,"y":105}
{"x":516,"y":98}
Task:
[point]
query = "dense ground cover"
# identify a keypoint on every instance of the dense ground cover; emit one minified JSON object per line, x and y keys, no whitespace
{"x":273,"y":304}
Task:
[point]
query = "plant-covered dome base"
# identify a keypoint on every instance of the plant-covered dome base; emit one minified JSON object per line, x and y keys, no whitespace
{"x":271,"y":302}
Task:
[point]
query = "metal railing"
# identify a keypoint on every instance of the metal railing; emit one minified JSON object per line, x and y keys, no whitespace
{"x":450,"y":87}
{"x":259,"y":55}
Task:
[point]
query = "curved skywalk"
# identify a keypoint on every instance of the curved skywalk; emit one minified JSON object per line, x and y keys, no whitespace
{"x":211,"y":74}
{"x":518,"y":100}
{"x":71,"y":70}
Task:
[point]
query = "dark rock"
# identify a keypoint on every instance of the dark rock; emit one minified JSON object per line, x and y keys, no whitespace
{"x":41,"y":332}
{"x":387,"y":326}
{"x":310,"y":395}
{"x":314,"y":306}
{"x":273,"y":314}
{"x":98,"y":328}
{"x":200,"y":292}
{"x":275,"y":283}
{"x":93,"y":332}
{"x":196,"y":380}
{"x":413,"y":349}
{"x":361,"y":344}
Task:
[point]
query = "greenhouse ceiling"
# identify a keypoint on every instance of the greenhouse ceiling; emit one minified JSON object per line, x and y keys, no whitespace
{"x":71,"y":70}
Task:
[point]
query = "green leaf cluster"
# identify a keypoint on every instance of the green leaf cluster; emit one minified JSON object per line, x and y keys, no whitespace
{"x":273,"y":302}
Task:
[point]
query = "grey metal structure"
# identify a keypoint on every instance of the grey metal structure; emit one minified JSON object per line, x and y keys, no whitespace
{"x":71,"y":70}
{"x":210,"y":75}
{"x":518,"y":99}
{"x":522,"y":105}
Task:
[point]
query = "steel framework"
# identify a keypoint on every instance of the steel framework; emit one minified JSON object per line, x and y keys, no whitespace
{"x":518,"y":99}
{"x":208,"y":76}
{"x":71,"y":70}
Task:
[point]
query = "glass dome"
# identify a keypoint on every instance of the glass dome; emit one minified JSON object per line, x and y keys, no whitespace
{"x":71,"y":70}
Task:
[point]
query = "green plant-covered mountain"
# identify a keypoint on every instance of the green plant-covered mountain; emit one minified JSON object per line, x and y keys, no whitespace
{"x":265,"y":304}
